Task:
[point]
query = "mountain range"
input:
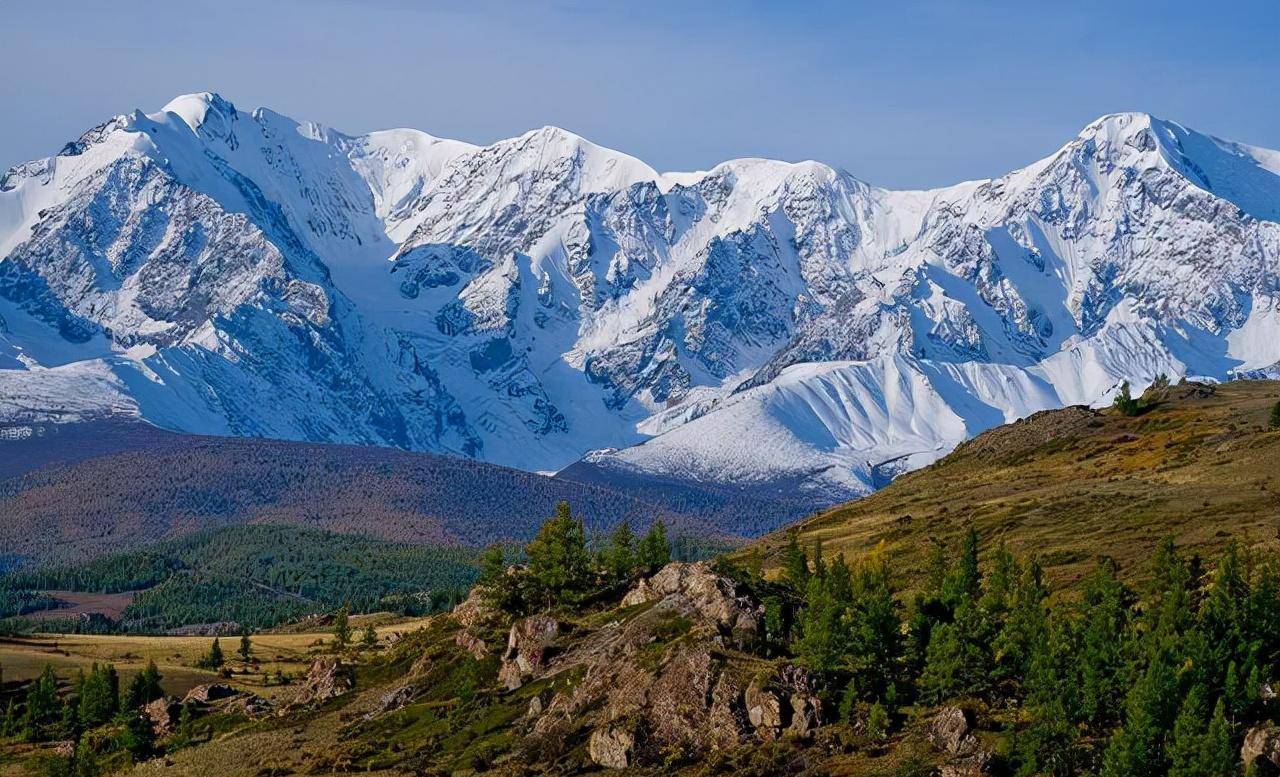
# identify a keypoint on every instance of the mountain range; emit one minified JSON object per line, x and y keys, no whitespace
{"x":547,"y":304}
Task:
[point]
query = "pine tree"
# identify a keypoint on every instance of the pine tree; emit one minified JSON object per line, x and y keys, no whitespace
{"x":1136,"y":749}
{"x":342,"y":627}
{"x":43,"y":710}
{"x":246,"y":646}
{"x":151,"y":677}
{"x":559,"y":566}
{"x":964,"y":583}
{"x":620,"y":555}
{"x":878,"y":722}
{"x":655,"y":551}
{"x":1217,"y":756}
{"x":1186,"y":742}
{"x":214,"y":658}
{"x":797,"y":565}
{"x":1049,"y":745}
{"x":493,"y":565}
{"x":86,"y":760}
{"x":1124,"y":401}
{"x":138,"y":737}
{"x":370,"y":637}
{"x":1274,"y":421}
{"x":98,"y":700}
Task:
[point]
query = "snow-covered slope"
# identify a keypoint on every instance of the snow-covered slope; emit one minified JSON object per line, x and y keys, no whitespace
{"x":765,"y":324}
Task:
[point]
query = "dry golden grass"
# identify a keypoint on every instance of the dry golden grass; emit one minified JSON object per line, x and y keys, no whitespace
{"x":1067,"y":486}
{"x":176,"y":656}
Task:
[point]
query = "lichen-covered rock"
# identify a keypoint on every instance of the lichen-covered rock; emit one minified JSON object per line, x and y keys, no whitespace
{"x":471,"y":643}
{"x":713,"y":597}
{"x":612,"y":746}
{"x":806,"y":715}
{"x":950,"y":732}
{"x":392,"y":700}
{"x":529,"y":646}
{"x":210,"y":692}
{"x":1261,"y":748}
{"x":974,"y":765}
{"x":163,"y":714}
{"x":475,"y":610}
{"x":328,"y":678}
{"x":764,"y":710}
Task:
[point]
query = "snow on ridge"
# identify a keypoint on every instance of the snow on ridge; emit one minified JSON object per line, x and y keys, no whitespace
{"x":779,"y":324}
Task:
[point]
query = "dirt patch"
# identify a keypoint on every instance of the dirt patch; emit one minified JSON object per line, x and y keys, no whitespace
{"x":75,"y":603}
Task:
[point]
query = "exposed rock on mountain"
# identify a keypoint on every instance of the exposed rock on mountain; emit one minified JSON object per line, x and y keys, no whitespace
{"x":767,"y":325}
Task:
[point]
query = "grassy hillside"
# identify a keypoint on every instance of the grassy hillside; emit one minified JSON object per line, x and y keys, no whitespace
{"x":113,"y":486}
{"x":1068,"y":485}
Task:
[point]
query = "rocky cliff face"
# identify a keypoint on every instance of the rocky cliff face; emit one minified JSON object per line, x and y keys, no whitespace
{"x":776,"y":326}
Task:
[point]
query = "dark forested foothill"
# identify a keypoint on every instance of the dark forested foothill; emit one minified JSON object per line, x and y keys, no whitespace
{"x":256,"y":577}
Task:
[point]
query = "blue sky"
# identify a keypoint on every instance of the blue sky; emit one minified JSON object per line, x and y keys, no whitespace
{"x":900,"y":93}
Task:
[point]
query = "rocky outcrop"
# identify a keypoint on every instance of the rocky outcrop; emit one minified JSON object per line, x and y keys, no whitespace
{"x":1260,"y":752}
{"x":529,"y":647}
{"x":475,"y":610}
{"x":612,"y":747}
{"x":471,"y":643}
{"x":764,"y":710}
{"x":328,"y":678}
{"x":210,"y":692}
{"x":712,"y":597}
{"x":951,"y":733}
{"x":392,"y":700}
{"x":163,"y":714}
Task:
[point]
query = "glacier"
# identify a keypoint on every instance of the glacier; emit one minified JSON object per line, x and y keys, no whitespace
{"x":552,"y":305}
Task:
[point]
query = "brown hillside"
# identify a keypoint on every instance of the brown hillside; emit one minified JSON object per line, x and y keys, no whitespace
{"x":1068,"y":485}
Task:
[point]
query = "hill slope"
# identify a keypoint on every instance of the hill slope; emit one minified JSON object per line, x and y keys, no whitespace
{"x":111,"y":486}
{"x":1069,"y":485}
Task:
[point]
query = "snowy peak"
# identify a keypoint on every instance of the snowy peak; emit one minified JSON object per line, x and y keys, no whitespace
{"x":778,"y":324}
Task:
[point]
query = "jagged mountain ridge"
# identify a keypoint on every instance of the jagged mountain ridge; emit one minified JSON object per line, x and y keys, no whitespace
{"x":768,"y":325}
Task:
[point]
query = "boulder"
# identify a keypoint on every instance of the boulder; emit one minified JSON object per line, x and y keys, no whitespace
{"x":327,"y":679}
{"x":950,"y":732}
{"x":392,"y":700}
{"x":764,"y":710}
{"x":529,"y":646}
{"x":471,"y":643}
{"x":806,"y":715}
{"x":164,"y":714}
{"x":210,"y":692}
{"x":612,"y":746}
{"x":475,"y":610}
{"x":975,"y":765}
{"x":1261,"y":750}
{"x":714,"y":597}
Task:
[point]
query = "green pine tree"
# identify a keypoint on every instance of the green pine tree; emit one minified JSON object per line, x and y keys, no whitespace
{"x":369,"y":639}
{"x":655,"y":550}
{"x":620,"y":555}
{"x":797,"y":565}
{"x":214,"y":658}
{"x":1217,"y":756}
{"x":43,"y":709}
{"x":1274,"y":421}
{"x":246,"y":646}
{"x":1124,"y":401}
{"x":342,"y":627}
{"x":559,"y":566}
{"x":1186,"y":741}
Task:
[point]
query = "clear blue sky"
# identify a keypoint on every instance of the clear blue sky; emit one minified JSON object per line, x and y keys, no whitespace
{"x":900,"y":93}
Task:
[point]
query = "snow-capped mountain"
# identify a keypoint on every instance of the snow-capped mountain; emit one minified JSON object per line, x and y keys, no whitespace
{"x":543,"y":300}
